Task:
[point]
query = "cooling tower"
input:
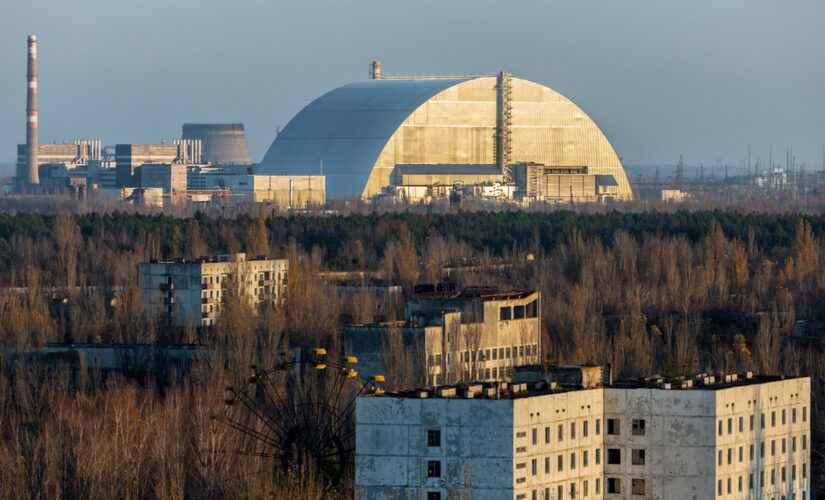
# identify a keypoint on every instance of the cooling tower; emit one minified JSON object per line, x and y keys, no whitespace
{"x":223,"y":143}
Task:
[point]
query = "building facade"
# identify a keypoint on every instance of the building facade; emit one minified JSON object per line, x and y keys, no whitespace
{"x":747,"y":438}
{"x":474,"y":334}
{"x":192,"y":292}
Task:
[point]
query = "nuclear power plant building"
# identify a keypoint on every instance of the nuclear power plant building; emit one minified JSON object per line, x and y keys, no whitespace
{"x":365,"y":135}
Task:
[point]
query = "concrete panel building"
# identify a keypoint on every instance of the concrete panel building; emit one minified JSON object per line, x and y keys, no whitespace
{"x":741,"y":438}
{"x":191,"y":292}
{"x":359,"y":134}
{"x":291,"y":191}
{"x":473,"y":334}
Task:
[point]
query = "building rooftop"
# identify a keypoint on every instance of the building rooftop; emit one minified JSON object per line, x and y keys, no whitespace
{"x":449,"y":291}
{"x":510,"y":390}
{"x":232,"y":257}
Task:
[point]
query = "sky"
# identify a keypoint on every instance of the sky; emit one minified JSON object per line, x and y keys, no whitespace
{"x":707,"y":79}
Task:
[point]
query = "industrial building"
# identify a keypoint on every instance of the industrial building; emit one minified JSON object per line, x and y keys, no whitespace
{"x":191,"y":292}
{"x":223,"y":143}
{"x":472,"y":334}
{"x":549,"y":437}
{"x":383,"y":133}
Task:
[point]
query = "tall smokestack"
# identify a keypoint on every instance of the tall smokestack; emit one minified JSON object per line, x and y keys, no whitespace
{"x":31,"y":115}
{"x":375,"y":70}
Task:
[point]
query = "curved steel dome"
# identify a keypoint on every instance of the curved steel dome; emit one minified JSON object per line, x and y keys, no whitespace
{"x":358,"y":133}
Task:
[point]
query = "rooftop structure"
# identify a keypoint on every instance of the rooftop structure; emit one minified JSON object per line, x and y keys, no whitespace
{"x":741,"y":437}
{"x":192,"y":292}
{"x":359,"y":134}
{"x":474,"y":334}
{"x":223,"y":143}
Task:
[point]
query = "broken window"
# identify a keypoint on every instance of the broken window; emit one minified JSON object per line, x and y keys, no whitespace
{"x":433,"y":468}
{"x":638,"y":457}
{"x":613,"y":426}
{"x":614,"y":485}
{"x":614,"y":456}
{"x":638,"y":427}
{"x":637,"y":486}
{"x":433,"y":437}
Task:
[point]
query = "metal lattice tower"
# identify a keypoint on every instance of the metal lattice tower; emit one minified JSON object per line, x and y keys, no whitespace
{"x":680,"y":171}
{"x":504,"y":119}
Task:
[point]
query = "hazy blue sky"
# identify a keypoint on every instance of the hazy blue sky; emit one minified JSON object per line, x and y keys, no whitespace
{"x":660,"y":77}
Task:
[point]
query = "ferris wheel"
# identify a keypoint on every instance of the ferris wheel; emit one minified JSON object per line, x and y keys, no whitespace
{"x":300,"y":411}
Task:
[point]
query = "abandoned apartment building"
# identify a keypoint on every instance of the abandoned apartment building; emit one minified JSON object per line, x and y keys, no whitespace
{"x":471,"y":334}
{"x":190,"y":293}
{"x":728,"y":437}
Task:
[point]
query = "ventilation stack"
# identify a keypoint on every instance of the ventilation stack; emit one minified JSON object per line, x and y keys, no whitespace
{"x":221,"y":143}
{"x":375,"y":70}
{"x":31,"y":115}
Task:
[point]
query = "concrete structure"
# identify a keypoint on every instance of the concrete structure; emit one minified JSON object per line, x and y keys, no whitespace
{"x":474,"y":334}
{"x":31,"y":115}
{"x":191,"y":292}
{"x":563,"y":184}
{"x":143,"y":361}
{"x":66,"y":166}
{"x":223,"y":143}
{"x":741,"y":438}
{"x":359,"y":134}
{"x":290,"y":191}
{"x":129,"y":157}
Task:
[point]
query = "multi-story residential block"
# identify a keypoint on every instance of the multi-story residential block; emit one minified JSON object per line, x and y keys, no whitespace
{"x":191,"y":292}
{"x":472,"y":334}
{"x":741,"y":438}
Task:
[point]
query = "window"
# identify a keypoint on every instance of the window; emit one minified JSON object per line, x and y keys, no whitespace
{"x":572,"y":461}
{"x":521,"y":350}
{"x":614,"y":456}
{"x":584,"y":489}
{"x":547,"y":465}
{"x":739,"y":485}
{"x":598,"y":426}
{"x":598,"y":484}
{"x":740,"y":454}
{"x":584,"y":461}
{"x":507,"y":352}
{"x":728,"y":486}
{"x":433,"y":495}
{"x":495,"y":353}
{"x":793,"y":415}
{"x":560,"y":464}
{"x":505,"y":313}
{"x":782,"y":474}
{"x":584,"y":433}
{"x":719,"y":487}
{"x":741,"y":424}
{"x":783,"y":417}
{"x":804,"y":470}
{"x":535,"y":466}
{"x":804,"y":442}
{"x":804,"y":413}
{"x":561,"y":432}
{"x":751,"y":453}
{"x":637,"y":486}
{"x":535,"y":436}
{"x":637,"y":457}
{"x":720,"y":428}
{"x":638,"y":427}
{"x":572,"y":490}
{"x":433,"y":437}
{"x":783,"y":445}
{"x":518,"y":312}
{"x":730,"y":426}
{"x":613,"y":426}
{"x":773,"y":447}
{"x":773,"y":419}
{"x":762,"y":449}
{"x":793,"y":444}
{"x":750,"y":481}
{"x":773,"y":476}
{"x":762,"y":421}
{"x":572,"y":430}
{"x":433,"y":468}
{"x":614,"y":485}
{"x":561,"y":492}
{"x":534,"y":496}
{"x":598,"y":456}
{"x":546,"y":434}
{"x":730,"y":456}
{"x":750,"y":422}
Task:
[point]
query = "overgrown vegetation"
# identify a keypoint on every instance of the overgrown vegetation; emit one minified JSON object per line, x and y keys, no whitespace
{"x":670,"y":293}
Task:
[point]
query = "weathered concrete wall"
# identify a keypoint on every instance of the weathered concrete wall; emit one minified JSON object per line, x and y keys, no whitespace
{"x":393,"y":452}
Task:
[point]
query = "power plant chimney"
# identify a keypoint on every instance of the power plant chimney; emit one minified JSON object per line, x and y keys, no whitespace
{"x":375,"y":70}
{"x":31,"y":115}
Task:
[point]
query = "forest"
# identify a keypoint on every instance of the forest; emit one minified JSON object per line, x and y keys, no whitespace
{"x":674,"y":293}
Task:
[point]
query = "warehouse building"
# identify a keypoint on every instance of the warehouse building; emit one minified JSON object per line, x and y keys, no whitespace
{"x":736,"y":438}
{"x":191,"y":292}
{"x":371,"y":135}
{"x":472,"y":334}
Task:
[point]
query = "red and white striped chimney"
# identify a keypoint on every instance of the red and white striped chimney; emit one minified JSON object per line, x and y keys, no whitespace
{"x":31,"y":114}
